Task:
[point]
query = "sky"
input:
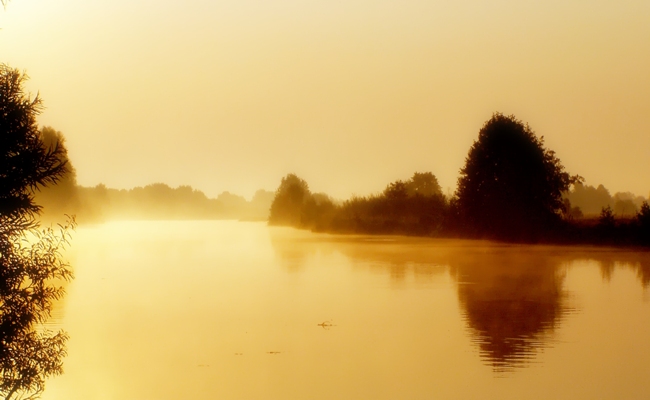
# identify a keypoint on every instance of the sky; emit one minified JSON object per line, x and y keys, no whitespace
{"x":349,"y":95}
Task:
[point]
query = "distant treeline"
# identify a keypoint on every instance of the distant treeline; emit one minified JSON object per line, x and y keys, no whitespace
{"x":512,"y":188}
{"x":155,"y":201}
{"x":591,"y":200}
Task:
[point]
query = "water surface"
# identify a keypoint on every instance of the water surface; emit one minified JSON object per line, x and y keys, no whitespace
{"x":238,"y":310}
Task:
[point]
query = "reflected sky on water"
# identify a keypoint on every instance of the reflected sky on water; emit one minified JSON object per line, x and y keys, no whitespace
{"x":512,"y":297}
{"x":238,"y":310}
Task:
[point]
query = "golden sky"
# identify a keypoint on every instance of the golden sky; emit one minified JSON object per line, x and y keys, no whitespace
{"x":350,"y":95}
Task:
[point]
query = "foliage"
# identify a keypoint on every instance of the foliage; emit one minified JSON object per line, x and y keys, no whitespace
{"x":317,"y":212}
{"x":62,"y":198}
{"x":412,"y":207}
{"x":158,"y":201}
{"x":571,"y":213}
{"x":30,"y":259}
{"x":592,"y":199}
{"x":643,"y":216}
{"x":396,"y":191}
{"x":28,"y":354}
{"x":643,"y":221}
{"x":588,"y":198}
{"x":511,"y":186}
{"x":423,"y":184}
{"x":606,"y":219}
{"x":25,"y":163}
{"x":392,"y":212}
{"x":289,"y":201}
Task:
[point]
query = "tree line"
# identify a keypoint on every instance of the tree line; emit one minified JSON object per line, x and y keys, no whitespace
{"x":153,"y":201}
{"x":37,"y":180}
{"x":588,"y":201}
{"x":511,"y":188}
{"x":160,"y":201}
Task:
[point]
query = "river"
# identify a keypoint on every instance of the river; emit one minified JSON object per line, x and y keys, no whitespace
{"x":238,"y":310}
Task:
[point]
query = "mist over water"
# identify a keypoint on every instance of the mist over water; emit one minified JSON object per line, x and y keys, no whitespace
{"x":365,"y":101}
{"x":224,"y":309}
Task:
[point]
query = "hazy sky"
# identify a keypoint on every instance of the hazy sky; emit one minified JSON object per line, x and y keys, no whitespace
{"x":350,"y":95}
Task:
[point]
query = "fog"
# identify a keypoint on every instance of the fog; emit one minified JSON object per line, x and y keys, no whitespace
{"x":231,"y":96}
{"x":226,"y":309}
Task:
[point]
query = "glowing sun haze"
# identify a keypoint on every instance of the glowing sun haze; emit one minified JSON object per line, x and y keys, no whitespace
{"x":349,"y":95}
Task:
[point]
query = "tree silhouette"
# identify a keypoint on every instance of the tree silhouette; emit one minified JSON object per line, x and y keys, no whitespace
{"x":643,"y":221}
{"x":396,"y":191}
{"x":423,"y":184}
{"x":30,"y":259}
{"x":62,"y":198}
{"x":511,"y":186}
{"x":590,"y":199}
{"x":289,"y":201}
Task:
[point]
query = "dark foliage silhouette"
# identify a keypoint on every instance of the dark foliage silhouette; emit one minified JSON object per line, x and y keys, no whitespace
{"x":30,"y":259}
{"x":412,"y":207}
{"x":25,"y":163}
{"x":606,"y":220}
{"x":643,"y":222}
{"x":63,"y":198}
{"x":423,"y":184}
{"x":396,"y":210}
{"x":511,"y":186}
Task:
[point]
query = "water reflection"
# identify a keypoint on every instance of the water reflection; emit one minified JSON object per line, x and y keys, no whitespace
{"x":401,"y":257}
{"x":208,"y":303}
{"x":643,"y":272}
{"x":512,"y":297}
{"x":512,"y":301}
{"x":609,"y":262}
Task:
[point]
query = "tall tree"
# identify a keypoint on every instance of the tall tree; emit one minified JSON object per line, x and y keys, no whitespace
{"x":511,"y":186}
{"x":30,"y":259}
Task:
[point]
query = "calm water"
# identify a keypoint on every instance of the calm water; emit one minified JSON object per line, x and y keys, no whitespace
{"x":234,"y":310}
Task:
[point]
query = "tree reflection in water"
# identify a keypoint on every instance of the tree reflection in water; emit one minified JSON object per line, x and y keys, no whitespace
{"x":511,"y":296}
{"x":512,"y":301}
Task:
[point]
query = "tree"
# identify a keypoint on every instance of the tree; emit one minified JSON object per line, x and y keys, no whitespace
{"x":643,"y":216}
{"x":260,"y":204}
{"x":423,"y":184}
{"x":606,"y":219}
{"x":30,"y":258}
{"x":590,"y":199}
{"x":511,"y":186}
{"x":643,"y":221}
{"x":289,"y":201}
{"x":62,"y":198}
{"x":396,"y":191}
